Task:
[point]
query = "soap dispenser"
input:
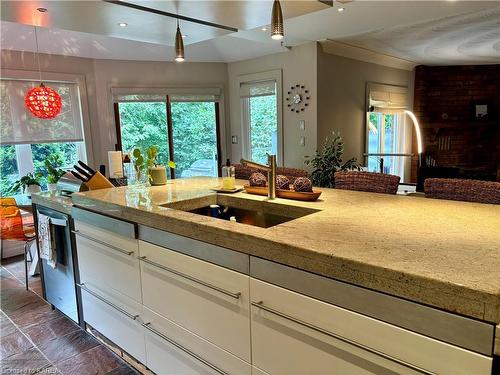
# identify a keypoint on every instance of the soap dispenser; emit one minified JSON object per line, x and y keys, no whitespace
{"x":228,"y":176}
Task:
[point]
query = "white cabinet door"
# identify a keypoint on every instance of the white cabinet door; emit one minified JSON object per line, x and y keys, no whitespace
{"x":117,"y":318}
{"x":173,"y":350}
{"x":206,"y":299}
{"x":110,"y":265}
{"x":295,"y":334}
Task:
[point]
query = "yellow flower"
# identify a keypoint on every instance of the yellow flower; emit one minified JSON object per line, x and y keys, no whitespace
{"x":171,"y":164}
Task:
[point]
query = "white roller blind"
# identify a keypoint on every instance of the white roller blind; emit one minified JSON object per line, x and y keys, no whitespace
{"x":148,"y":94}
{"x":387,"y":98}
{"x":253,"y":89}
{"x":19,"y":126}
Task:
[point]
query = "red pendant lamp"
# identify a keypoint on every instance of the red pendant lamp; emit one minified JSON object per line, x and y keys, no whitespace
{"x":43,"y":101}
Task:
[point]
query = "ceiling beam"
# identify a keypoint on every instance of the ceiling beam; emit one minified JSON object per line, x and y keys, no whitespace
{"x":172,"y":15}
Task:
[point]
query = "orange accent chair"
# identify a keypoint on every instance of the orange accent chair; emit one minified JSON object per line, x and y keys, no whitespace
{"x":14,"y":228}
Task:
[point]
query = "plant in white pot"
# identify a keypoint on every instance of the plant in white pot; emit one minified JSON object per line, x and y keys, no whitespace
{"x":29,"y":183}
{"x":54,"y":172}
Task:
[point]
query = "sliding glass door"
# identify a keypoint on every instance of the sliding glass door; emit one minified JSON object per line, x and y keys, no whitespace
{"x":194,"y":133}
{"x":184,"y":128}
{"x":142,"y":125}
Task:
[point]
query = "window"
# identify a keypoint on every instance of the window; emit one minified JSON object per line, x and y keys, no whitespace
{"x":388,"y":136}
{"x":184,"y":126}
{"x":385,"y":135}
{"x":260,"y":115}
{"x":26,"y":141}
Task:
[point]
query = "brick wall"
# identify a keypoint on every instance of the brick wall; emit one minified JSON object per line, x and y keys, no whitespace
{"x":444,"y":102}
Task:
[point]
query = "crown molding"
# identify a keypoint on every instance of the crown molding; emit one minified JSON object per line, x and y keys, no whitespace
{"x":334,"y":47}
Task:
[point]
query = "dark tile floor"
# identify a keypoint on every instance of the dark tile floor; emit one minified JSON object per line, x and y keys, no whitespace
{"x":34,"y":339}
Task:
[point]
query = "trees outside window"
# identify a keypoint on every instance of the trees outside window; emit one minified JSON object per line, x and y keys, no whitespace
{"x":194,"y":143}
{"x":263,"y":127}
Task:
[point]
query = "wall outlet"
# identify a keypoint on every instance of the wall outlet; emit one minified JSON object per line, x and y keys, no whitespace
{"x":302,"y":125}
{"x":302,"y":141}
{"x":234,"y":139}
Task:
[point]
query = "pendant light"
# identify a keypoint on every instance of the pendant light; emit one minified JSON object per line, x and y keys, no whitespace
{"x":179,"y":45}
{"x":277,"y":29}
{"x":42,"y":101}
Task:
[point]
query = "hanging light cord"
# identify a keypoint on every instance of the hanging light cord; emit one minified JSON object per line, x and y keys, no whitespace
{"x":38,"y":55}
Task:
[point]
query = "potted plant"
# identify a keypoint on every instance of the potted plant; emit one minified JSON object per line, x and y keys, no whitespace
{"x":54,"y":172}
{"x":149,"y":164}
{"x":30,"y":182}
{"x":328,"y":160}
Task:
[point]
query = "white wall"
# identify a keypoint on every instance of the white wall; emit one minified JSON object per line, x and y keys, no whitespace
{"x":342,"y":97}
{"x":298,"y":67}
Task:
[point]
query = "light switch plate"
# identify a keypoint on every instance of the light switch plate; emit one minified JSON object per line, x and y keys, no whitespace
{"x":302,"y":141}
{"x":234,"y":139}
{"x":302,"y":124}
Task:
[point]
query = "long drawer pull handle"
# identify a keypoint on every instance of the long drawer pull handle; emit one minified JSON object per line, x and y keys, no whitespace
{"x":78,"y":233}
{"x":260,"y":305}
{"x":183,"y":275}
{"x":183,"y":348}
{"x":82,"y":286}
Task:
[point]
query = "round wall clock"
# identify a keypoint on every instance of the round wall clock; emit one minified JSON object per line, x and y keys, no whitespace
{"x":298,"y":98}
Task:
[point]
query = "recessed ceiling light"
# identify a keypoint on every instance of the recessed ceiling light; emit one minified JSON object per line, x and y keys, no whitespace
{"x":122,"y":24}
{"x":264,"y":28}
{"x":42,"y":10}
{"x":184,"y":35}
{"x":341,"y":9}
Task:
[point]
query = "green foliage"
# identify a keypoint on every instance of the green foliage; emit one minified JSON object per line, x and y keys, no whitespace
{"x":138,"y":163}
{"x":328,"y":160}
{"x":8,"y":169}
{"x":67,"y":153}
{"x":25,"y":181}
{"x":263,"y":127}
{"x":52,"y":166}
{"x":152,"y":153}
{"x":194,"y":132}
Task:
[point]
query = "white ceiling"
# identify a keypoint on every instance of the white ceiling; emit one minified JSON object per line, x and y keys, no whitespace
{"x":429,"y":32}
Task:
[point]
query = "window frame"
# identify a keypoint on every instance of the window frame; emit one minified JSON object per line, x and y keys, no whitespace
{"x":79,"y":80}
{"x":169,"y":124}
{"x":277,"y":76}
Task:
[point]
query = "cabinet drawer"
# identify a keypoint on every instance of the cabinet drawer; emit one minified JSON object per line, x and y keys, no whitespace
{"x":116,"y":318}
{"x":121,"y":243}
{"x":172,"y":349}
{"x":295,"y":334}
{"x":108,"y":267}
{"x":206,"y":299}
{"x":105,"y":223}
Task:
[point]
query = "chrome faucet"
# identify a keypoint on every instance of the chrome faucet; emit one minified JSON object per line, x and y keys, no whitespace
{"x":271,"y":172}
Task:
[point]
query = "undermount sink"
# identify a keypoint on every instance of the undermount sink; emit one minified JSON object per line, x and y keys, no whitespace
{"x":262,"y":214}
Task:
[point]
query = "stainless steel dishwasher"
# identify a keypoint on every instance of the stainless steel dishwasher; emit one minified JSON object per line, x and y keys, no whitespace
{"x":59,"y":282}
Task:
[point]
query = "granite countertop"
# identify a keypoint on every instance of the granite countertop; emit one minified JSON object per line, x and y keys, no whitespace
{"x":442,"y":253}
{"x":54,"y":200}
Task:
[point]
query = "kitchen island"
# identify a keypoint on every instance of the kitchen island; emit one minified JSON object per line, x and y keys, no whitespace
{"x":441,"y":257}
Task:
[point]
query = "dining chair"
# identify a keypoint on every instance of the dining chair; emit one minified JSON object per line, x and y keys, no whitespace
{"x":14,"y":228}
{"x":463,"y":190}
{"x":367,"y":181}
